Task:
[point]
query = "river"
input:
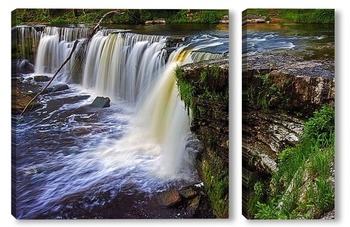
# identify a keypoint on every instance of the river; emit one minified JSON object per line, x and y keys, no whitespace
{"x":72,"y":160}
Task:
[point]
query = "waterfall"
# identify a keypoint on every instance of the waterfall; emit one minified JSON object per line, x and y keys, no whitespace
{"x":25,"y":40}
{"x":123,"y":64}
{"x":54,"y":47}
{"x":139,"y":144}
{"x":133,"y":67}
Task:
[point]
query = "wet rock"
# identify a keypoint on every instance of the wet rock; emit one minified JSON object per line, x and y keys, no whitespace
{"x":101,"y":102}
{"x":20,"y":99}
{"x":193,"y":205}
{"x":56,"y":87}
{"x":188,"y":193}
{"x":41,"y":78}
{"x":157,"y":21}
{"x":22,"y":66}
{"x":170,"y":198}
{"x":172,"y":41}
{"x":81,"y":131}
{"x":210,"y":124}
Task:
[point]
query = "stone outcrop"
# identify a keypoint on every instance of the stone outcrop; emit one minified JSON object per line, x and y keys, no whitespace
{"x":276,"y":102}
{"x":101,"y":102}
{"x":156,"y":21}
{"x":41,"y":78}
{"x":224,"y":20}
{"x":56,"y":87}
{"x":255,"y":19}
{"x":204,"y":89}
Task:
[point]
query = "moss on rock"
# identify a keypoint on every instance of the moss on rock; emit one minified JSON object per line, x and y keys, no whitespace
{"x":205,"y":90}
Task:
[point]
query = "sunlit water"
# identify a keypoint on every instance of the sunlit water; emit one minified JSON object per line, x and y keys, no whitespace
{"x":307,"y":40}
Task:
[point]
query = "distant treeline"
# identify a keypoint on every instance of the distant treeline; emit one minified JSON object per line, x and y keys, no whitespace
{"x":123,"y":16}
{"x":311,"y":16}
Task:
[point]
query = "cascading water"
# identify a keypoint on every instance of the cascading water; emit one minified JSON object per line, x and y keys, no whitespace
{"x":123,"y":64}
{"x":25,"y":40}
{"x":138,"y":145}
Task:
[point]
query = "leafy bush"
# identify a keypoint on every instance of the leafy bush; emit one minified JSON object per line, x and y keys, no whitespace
{"x":321,"y":125}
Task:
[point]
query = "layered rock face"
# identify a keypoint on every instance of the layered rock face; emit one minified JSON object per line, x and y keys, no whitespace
{"x":204,"y":88}
{"x":275,"y":105}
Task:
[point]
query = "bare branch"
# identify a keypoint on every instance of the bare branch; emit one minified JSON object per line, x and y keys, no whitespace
{"x":53,"y":77}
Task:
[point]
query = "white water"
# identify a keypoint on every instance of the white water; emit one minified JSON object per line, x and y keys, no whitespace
{"x":132,"y":67}
{"x":140,"y":141}
{"x":123,"y":64}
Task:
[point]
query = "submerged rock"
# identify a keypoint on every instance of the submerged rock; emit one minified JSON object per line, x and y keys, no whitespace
{"x":56,"y":87}
{"x":22,"y":66}
{"x":101,"y":102}
{"x":41,"y":78}
{"x":20,"y":99}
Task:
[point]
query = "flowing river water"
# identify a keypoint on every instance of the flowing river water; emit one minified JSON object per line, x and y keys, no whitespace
{"x":72,"y":160}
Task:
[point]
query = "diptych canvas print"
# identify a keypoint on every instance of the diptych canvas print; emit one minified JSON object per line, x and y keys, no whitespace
{"x":124,"y":114}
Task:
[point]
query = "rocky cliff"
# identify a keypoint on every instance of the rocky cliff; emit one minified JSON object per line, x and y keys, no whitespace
{"x":204,"y":88}
{"x":276,"y":102}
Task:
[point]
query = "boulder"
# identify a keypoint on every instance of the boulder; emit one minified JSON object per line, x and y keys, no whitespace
{"x":193,"y":205}
{"x":41,"y":78}
{"x":56,"y":87}
{"x":224,"y":20}
{"x":188,"y":193}
{"x":156,"y":21}
{"x":255,"y":19}
{"x":170,"y":198}
{"x":101,"y":102}
{"x":23,"y":66}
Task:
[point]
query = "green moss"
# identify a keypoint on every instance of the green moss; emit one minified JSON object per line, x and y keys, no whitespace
{"x":262,"y":91}
{"x":186,"y":90}
{"x":203,"y":96}
{"x":304,"y":171}
{"x":216,"y":184}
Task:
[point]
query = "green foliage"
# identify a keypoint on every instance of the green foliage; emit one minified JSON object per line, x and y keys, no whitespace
{"x":209,"y":16}
{"x":215,"y":179}
{"x":266,"y":212}
{"x":128,"y":16}
{"x":310,"y":160}
{"x":186,"y":89}
{"x":262,"y":92}
{"x":259,"y":189}
{"x":259,"y":12}
{"x":307,"y":15}
{"x":321,"y":126}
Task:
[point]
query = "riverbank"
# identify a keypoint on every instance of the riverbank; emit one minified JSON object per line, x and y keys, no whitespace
{"x":121,"y":16}
{"x":288,"y":115}
{"x":304,"y":16}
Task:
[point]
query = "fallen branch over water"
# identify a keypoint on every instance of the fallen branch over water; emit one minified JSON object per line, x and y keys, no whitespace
{"x":54,"y":76}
